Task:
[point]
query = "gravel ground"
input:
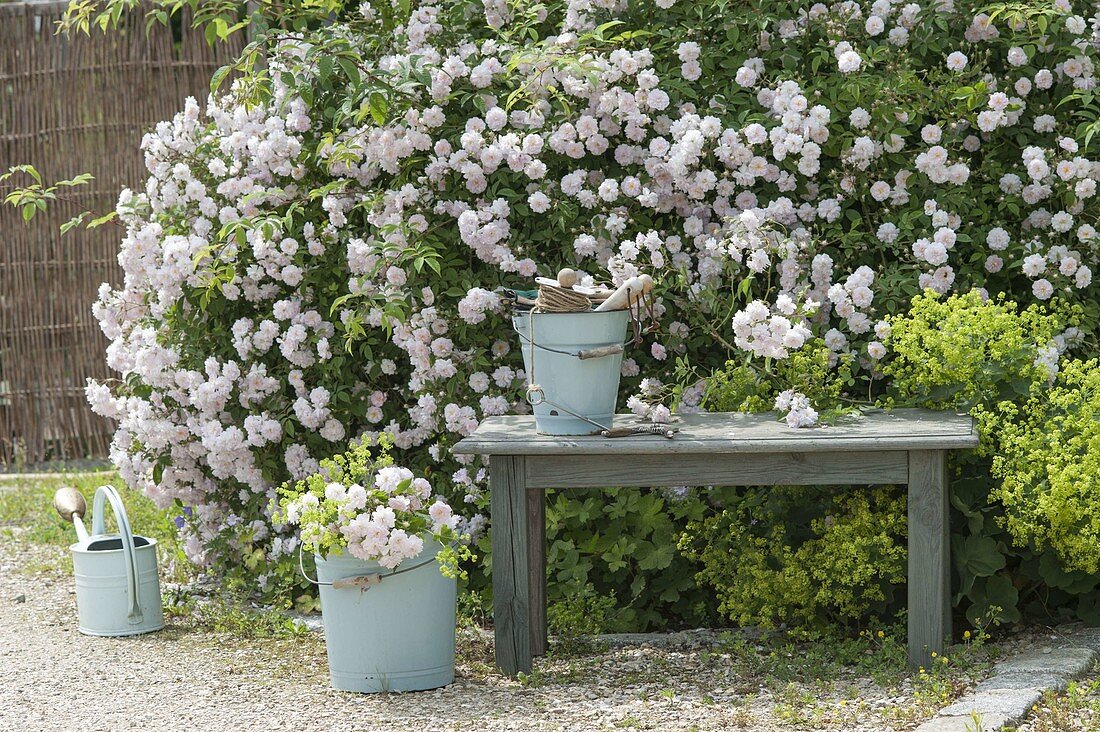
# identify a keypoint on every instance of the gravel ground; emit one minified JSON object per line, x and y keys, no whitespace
{"x":185,"y":679}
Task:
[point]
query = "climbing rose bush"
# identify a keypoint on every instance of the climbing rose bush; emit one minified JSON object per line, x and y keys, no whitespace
{"x":315,"y":253}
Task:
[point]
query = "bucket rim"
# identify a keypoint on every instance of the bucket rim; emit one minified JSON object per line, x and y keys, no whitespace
{"x":80,"y":546}
{"x":607,"y":313}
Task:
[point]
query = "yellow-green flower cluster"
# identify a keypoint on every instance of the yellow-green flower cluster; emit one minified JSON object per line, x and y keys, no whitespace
{"x":1049,"y":467}
{"x":753,"y":386}
{"x":966,"y":349}
{"x":769,"y":564}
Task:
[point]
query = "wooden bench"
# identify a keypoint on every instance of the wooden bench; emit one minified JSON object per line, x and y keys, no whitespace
{"x":906,"y":446}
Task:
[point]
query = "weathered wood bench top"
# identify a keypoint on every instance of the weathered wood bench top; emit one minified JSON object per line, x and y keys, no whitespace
{"x":900,"y":429}
{"x":902,"y":447}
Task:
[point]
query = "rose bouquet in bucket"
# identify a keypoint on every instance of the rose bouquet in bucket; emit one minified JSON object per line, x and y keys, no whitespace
{"x":387,"y":563}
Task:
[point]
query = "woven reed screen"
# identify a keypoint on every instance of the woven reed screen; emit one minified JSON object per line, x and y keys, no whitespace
{"x":73,"y":105}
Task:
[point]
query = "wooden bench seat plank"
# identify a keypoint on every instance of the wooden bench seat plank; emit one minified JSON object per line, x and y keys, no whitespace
{"x":900,"y":429}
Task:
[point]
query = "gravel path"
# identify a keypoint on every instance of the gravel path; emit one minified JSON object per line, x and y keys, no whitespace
{"x":182,"y":679}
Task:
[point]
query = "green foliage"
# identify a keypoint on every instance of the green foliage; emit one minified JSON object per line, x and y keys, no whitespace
{"x":1049,"y":466}
{"x":965,"y":350}
{"x":621,"y":544}
{"x":738,"y":388}
{"x":996,"y":361}
{"x":1025,"y":527}
{"x":581,"y":613}
{"x":218,"y":19}
{"x":33,"y":197}
{"x":808,"y":556}
{"x":224,"y":616}
{"x":998,"y":578}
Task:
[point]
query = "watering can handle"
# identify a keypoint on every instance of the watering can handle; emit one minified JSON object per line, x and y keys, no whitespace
{"x":108,"y":493}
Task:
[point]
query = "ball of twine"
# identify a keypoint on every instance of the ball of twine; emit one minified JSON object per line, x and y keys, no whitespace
{"x":561,"y":300}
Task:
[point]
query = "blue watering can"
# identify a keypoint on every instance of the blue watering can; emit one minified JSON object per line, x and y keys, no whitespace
{"x":117,"y":585}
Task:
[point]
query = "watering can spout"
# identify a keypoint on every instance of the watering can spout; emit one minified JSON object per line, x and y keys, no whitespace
{"x":81,"y":532}
{"x":71,"y":506}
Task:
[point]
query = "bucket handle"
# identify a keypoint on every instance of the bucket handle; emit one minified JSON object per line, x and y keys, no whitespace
{"x":109,"y":494}
{"x":583,"y":355}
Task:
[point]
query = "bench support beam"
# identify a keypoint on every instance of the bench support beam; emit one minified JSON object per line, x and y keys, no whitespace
{"x":878,"y":467}
{"x":929,"y":556}
{"x":511,"y":568}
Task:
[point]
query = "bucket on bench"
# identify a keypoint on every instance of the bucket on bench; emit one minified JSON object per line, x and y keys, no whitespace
{"x":572,"y":362}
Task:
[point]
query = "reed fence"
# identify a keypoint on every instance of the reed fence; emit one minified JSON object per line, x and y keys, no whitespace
{"x":70,"y":105}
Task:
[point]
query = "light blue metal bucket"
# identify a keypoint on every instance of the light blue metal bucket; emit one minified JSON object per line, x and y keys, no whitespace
{"x":117,"y":586}
{"x":574,"y":359}
{"x":397,"y":634}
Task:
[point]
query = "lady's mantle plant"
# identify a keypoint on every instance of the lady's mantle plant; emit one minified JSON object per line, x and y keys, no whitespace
{"x":361,"y":504}
{"x":1049,"y":464}
{"x":806,"y":556}
{"x":314,"y":254}
{"x":1021,"y":542}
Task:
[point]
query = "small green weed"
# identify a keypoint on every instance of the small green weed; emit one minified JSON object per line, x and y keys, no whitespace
{"x":222,"y":616}
{"x":975,"y":724}
{"x":576,"y":619}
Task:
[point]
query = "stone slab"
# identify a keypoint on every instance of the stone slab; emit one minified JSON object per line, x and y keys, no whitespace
{"x":1012,"y":704}
{"x":1087,"y":638}
{"x":1023,"y":680}
{"x":963,"y":724}
{"x":1065,"y":661}
{"x":1018,"y":683}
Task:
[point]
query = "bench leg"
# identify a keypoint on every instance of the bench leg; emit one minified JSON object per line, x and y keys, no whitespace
{"x":536,"y":568}
{"x":511,"y":568}
{"x":929,"y":556}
